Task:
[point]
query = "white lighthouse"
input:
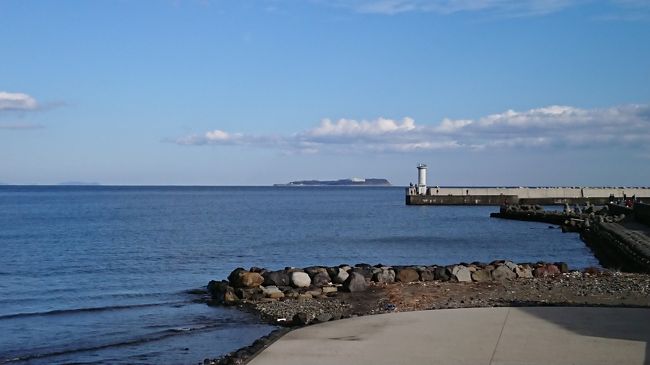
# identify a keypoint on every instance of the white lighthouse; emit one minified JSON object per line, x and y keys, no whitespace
{"x":422,"y":179}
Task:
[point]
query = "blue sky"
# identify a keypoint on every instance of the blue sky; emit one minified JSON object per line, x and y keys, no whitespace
{"x":487,"y":92}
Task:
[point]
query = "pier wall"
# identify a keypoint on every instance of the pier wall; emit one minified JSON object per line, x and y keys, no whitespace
{"x":536,"y":193}
{"x":528,"y":195}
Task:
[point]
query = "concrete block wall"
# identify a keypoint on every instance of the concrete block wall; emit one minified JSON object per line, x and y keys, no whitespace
{"x":542,"y":192}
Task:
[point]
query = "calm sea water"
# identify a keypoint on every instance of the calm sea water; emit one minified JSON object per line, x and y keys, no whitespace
{"x":98,"y":274}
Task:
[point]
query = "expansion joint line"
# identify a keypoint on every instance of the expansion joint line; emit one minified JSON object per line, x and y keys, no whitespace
{"x":500,"y":334}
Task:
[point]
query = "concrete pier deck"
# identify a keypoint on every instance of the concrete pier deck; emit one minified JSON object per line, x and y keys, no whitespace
{"x":525,"y":335}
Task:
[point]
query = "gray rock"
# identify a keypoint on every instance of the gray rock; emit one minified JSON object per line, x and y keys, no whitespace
{"x":481,"y":275}
{"x":272,"y":292}
{"x":355,"y":283}
{"x":502,"y":273}
{"x":320,"y":279}
{"x":340,"y":277}
{"x":442,"y":273}
{"x":329,"y":289}
{"x":461,"y":273}
{"x":384,"y":276}
{"x":277,"y":278}
{"x":511,"y":265}
{"x":426,"y":274}
{"x":313,"y":270}
{"x":366,"y":271}
{"x":300,"y":279}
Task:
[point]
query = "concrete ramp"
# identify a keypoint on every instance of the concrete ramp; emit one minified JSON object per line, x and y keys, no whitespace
{"x":535,"y":335}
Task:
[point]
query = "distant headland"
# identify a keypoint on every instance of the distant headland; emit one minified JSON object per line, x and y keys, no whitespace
{"x":342,"y":182}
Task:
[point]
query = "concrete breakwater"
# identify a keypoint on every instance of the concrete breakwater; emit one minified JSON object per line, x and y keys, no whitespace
{"x":617,"y":240}
{"x":520,"y":195}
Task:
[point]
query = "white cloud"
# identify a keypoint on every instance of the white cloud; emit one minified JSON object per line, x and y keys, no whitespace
{"x":349,"y":127}
{"x":557,"y":126}
{"x":511,"y":7}
{"x":17,"y":101}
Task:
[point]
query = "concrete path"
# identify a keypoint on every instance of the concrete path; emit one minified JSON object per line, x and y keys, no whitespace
{"x":535,"y":335}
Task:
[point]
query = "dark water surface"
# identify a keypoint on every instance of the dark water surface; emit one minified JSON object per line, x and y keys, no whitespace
{"x":98,"y":274}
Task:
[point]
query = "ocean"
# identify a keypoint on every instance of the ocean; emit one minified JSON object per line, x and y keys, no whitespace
{"x":99,"y":274}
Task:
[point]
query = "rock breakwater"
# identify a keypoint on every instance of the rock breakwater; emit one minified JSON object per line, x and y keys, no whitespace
{"x":260,"y":287}
{"x":617,"y":240}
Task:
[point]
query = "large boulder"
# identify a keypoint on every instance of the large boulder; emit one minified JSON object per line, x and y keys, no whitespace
{"x":251,"y":279}
{"x":510,"y":265}
{"x":241,"y":278}
{"x":366,"y":271}
{"x":249,"y":293}
{"x":320,"y":279}
{"x":355,"y":283}
{"x":481,"y":275}
{"x":563,"y":266}
{"x":277,"y":278}
{"x":426,"y":274}
{"x":339,"y":275}
{"x":313,"y":270}
{"x":524,"y":271}
{"x":502,"y":273}
{"x":406,"y":275}
{"x":222,"y":293}
{"x":272,"y":292}
{"x":442,"y":273}
{"x":384,"y":275}
{"x":552,"y":270}
{"x":217,"y":288}
{"x":540,"y":272}
{"x":233,"y":278}
{"x":461,"y":273}
{"x":300,"y":279}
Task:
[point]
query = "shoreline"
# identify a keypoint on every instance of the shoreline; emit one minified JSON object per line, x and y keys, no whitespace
{"x":545,"y":287}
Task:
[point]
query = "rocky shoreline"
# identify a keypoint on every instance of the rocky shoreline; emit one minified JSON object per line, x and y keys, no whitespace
{"x":295,"y":297}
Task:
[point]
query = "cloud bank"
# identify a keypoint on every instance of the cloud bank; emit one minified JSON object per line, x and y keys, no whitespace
{"x":551,"y":126}
{"x":501,"y":7}
{"x":17,"y":101}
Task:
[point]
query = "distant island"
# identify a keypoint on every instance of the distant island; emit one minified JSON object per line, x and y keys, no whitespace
{"x":78,"y":183}
{"x":342,"y":182}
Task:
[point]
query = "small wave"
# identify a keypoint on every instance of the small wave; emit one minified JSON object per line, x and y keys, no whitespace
{"x":178,"y":331}
{"x":90,"y":309}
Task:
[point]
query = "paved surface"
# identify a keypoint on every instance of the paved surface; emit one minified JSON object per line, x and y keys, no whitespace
{"x":539,"y":335}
